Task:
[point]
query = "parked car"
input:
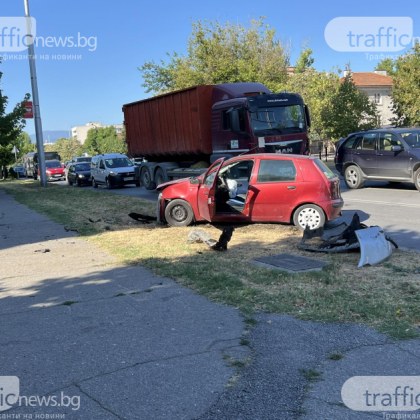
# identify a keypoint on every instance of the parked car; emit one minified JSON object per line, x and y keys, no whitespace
{"x":267,"y":187}
{"x":54,"y":170}
{"x":19,"y":171}
{"x":113,"y":170}
{"x":389,"y":154}
{"x":76,"y":159}
{"x":79,"y":174}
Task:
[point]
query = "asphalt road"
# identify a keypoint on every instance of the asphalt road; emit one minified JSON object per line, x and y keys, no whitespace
{"x":394,"y":207}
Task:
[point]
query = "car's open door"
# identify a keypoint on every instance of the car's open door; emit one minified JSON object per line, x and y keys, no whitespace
{"x":207,"y":191}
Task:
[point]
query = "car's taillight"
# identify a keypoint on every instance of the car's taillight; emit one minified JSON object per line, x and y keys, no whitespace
{"x":335,"y":189}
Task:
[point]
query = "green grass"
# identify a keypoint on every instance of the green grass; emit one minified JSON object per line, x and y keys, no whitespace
{"x":386,"y":297}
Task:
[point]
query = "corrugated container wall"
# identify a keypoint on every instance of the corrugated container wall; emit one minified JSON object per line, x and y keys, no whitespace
{"x":176,"y":123}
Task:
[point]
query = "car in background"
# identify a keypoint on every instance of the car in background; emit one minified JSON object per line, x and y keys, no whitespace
{"x":113,"y":170}
{"x":19,"y":171}
{"x":388,"y":154}
{"x":79,"y":174}
{"x":76,"y":159}
{"x":54,"y":170}
{"x":269,"y":187}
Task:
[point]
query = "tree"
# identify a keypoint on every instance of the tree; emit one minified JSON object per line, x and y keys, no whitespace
{"x":388,"y":65}
{"x":11,"y":126}
{"x":318,"y":90}
{"x":221,"y":54}
{"x":24,"y":145}
{"x":305,"y":61}
{"x":68,"y":148}
{"x":405,"y":93}
{"x":103,"y":140}
{"x":349,"y":110}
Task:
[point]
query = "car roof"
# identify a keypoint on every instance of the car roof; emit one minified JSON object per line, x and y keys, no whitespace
{"x":384,"y":129}
{"x":273,"y":156}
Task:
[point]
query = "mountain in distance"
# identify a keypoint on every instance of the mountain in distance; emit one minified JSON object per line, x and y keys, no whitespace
{"x":51,"y":136}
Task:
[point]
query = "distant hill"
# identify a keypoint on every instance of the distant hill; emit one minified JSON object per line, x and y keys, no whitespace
{"x":50,"y":136}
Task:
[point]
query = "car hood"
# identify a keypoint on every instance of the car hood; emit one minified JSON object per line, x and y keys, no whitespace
{"x":161,"y":187}
{"x":122,"y":170}
{"x":56,"y":170}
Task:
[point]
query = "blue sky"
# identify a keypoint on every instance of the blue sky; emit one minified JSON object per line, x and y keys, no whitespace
{"x":93,"y":85}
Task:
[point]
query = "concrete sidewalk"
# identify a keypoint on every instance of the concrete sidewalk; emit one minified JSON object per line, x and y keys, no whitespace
{"x":107,"y":341}
{"x":118,"y":341}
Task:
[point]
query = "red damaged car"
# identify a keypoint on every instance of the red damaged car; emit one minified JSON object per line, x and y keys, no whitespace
{"x":269,"y":187}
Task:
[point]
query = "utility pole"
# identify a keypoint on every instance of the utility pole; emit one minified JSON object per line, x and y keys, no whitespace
{"x":35,"y":99}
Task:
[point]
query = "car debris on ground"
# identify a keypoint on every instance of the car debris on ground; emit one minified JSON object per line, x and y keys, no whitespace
{"x":374,"y":244}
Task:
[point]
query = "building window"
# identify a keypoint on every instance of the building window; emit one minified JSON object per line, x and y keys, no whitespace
{"x":378,"y":98}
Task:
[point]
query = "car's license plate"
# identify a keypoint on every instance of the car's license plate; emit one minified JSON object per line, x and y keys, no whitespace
{"x":129,"y":178}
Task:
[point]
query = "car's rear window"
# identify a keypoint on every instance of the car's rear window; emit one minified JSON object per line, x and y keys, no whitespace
{"x":325,"y":169}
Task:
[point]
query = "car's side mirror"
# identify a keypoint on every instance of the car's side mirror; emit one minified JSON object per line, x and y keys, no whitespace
{"x":396,"y":148}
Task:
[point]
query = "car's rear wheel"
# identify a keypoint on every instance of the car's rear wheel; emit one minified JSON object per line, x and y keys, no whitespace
{"x":309,"y":215}
{"x":353,"y":177}
{"x":417,"y":179}
{"x":94,"y":184}
{"x":179,"y":213}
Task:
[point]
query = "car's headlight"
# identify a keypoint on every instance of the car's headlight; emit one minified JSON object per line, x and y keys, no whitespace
{"x":81,"y":176}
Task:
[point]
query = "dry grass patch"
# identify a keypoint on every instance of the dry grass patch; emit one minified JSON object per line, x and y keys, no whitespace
{"x":386,"y":296}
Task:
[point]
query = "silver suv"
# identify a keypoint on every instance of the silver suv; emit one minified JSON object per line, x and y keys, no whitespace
{"x":112,"y":170}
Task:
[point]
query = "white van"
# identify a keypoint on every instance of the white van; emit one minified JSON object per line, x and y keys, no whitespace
{"x":112,"y":170}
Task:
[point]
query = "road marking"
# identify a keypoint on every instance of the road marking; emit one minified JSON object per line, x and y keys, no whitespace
{"x":385,"y":203}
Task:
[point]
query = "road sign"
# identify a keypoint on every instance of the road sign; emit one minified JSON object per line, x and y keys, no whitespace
{"x":28,"y":110}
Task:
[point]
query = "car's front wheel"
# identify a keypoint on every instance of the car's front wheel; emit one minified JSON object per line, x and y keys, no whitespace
{"x":417,"y":179}
{"x":353,"y":177}
{"x":179,"y":213}
{"x":94,"y":184}
{"x":309,"y":215}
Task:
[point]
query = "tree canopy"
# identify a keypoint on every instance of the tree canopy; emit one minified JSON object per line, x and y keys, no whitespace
{"x":11,"y":126}
{"x":222,"y":53}
{"x":104,"y":140}
{"x":405,"y":93}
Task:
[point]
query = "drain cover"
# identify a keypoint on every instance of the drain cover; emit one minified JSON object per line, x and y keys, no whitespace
{"x":290,"y":263}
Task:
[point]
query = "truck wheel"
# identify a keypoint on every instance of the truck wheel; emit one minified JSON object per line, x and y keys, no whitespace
{"x":160,"y":176}
{"x":353,"y":177}
{"x":417,"y":179}
{"x":94,"y":184}
{"x":309,"y":215}
{"x":146,"y":179}
{"x":178,"y":213}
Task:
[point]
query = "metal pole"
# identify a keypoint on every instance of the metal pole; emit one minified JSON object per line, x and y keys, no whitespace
{"x":35,"y":100}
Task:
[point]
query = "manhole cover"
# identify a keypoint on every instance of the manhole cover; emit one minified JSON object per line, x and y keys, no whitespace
{"x":290,"y":263}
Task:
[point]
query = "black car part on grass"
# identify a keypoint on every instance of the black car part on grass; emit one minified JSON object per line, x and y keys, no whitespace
{"x":340,"y":238}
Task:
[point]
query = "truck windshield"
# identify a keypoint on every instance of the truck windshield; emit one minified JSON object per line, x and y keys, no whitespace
{"x":278,"y":120}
